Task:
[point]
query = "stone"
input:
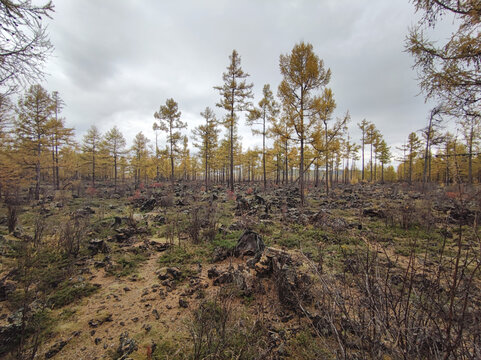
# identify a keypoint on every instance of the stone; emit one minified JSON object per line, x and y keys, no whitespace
{"x":55,"y":349}
{"x":183,"y":304}
{"x":249,"y":244}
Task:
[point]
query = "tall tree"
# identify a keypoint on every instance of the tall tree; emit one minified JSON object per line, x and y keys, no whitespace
{"x":363,"y":127}
{"x":371,"y":138}
{"x":34,"y":110}
{"x":281,"y":131}
{"x":471,"y":130}
{"x":266,"y":112}
{"x":90,"y":148}
{"x":235,"y":94}
{"x":324,"y":137}
{"x":429,"y":132}
{"x":59,"y":135}
{"x":414,"y":144}
{"x":303,"y":74}
{"x":169,"y":121}
{"x":384,"y":156}
{"x":114,"y":142}
{"x":140,"y":154}
{"x":24,"y":43}
{"x":206,"y":137}
{"x":156,"y":129}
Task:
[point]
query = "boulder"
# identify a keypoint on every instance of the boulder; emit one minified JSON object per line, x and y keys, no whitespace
{"x":98,"y":245}
{"x":249,"y":244}
{"x":148,"y":205}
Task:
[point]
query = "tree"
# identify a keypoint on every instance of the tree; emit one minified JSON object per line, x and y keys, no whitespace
{"x":206,"y":137}
{"x":114,"y":143}
{"x":384,"y":156}
{"x":281,"y":131}
{"x":324,"y":137}
{"x":471,"y":131}
{"x":59,"y":135}
{"x":414,"y":144}
{"x":24,"y":44}
{"x":266,"y":112}
{"x":156,"y":129}
{"x":429,"y":132}
{"x":303,"y":74}
{"x":363,"y":127}
{"x":235,"y":94}
{"x":169,"y":121}
{"x":90,"y":147}
{"x":34,"y":110}
{"x":449,"y":71}
{"x":140,"y":154}
{"x":372,"y":137}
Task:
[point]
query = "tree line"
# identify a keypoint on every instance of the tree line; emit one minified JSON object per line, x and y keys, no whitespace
{"x":302,"y":142}
{"x":307,"y":144}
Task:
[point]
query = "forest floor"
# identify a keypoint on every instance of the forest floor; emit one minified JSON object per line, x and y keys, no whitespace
{"x":183,"y":273}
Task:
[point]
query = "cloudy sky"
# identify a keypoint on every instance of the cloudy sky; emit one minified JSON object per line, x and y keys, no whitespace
{"x":116,"y":61}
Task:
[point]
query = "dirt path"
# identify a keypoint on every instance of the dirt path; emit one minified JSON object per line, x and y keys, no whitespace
{"x":120,"y":305}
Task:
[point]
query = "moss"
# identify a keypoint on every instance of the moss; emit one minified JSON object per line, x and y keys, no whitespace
{"x":68,"y":292}
{"x":127,"y":264}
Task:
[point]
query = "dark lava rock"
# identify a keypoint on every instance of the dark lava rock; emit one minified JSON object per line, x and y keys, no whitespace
{"x":6,"y":288}
{"x":167,"y":273}
{"x":212,"y":273}
{"x":126,"y":347}
{"x":220,"y":254}
{"x":157,"y":246}
{"x":224,"y":278}
{"x":55,"y":349}
{"x":148,"y":205}
{"x":371,"y":212}
{"x":249,"y":244}
{"x":183,"y":304}
{"x":98,"y":245}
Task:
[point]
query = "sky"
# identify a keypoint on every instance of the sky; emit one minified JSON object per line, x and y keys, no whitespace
{"x":117,"y":61}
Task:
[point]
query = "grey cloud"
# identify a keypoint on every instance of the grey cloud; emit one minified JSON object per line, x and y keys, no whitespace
{"x":116,"y":62}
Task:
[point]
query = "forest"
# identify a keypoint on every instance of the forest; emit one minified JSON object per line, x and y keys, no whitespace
{"x":185,"y":244}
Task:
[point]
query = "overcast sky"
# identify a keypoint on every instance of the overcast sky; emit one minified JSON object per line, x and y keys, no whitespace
{"x":116,"y":61}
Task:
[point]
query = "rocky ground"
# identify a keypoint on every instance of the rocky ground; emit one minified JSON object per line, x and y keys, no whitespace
{"x":149,"y":268}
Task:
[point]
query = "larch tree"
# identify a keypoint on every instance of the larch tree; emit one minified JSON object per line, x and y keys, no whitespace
{"x":470,"y":126}
{"x":206,"y":137}
{"x":140,"y":154}
{"x":363,"y":125}
{"x":235,"y":94}
{"x":371,"y":138}
{"x":114,"y":143}
{"x":156,"y":129}
{"x":24,"y":43}
{"x":185,"y":157}
{"x":90,"y":147}
{"x":449,"y":70}
{"x":9,"y":167}
{"x":266,"y":113}
{"x":303,"y":76}
{"x":59,"y":135}
{"x":414,"y":144}
{"x":384,"y":156}
{"x":169,"y":121}
{"x":429,"y":133}
{"x":34,"y":110}
{"x":323,"y":137}
{"x":281,"y":131}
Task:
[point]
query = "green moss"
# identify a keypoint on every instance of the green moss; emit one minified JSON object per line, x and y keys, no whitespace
{"x":127,"y":264}
{"x":68,"y":292}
